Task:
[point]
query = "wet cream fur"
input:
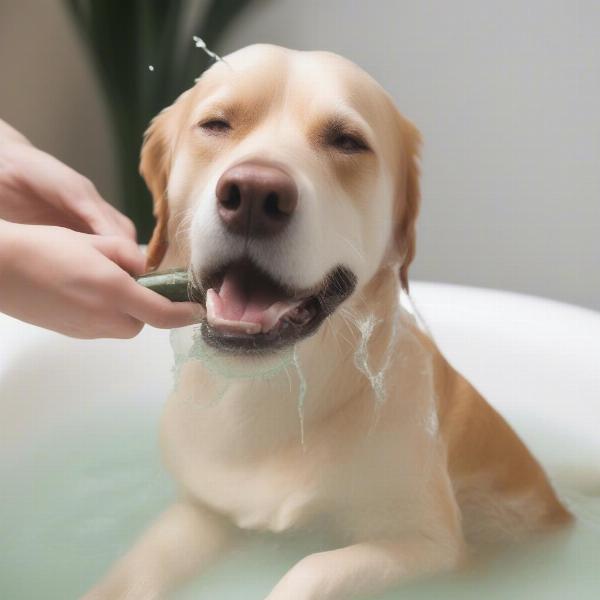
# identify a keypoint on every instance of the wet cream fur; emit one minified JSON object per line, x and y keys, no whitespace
{"x":404,"y":489}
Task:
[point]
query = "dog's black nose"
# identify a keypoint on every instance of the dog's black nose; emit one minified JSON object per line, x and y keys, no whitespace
{"x":256,"y":199}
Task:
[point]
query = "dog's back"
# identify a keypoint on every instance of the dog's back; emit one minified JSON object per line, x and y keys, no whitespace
{"x":501,"y":489}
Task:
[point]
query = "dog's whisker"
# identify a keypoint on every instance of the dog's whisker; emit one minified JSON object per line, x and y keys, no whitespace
{"x":185,"y":224}
{"x":350,"y":325}
{"x":358,"y":253}
{"x":333,"y":335}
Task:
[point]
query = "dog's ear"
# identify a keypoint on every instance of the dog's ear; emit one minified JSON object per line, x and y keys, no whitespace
{"x":155,"y":164}
{"x":410,"y":199}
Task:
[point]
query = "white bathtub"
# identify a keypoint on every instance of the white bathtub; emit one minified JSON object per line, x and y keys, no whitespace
{"x":81,"y":474}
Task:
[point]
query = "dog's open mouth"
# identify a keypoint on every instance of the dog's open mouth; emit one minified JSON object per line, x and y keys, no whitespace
{"x":248,"y":311}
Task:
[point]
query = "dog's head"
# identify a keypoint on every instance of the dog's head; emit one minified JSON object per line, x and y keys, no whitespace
{"x":285,"y":181}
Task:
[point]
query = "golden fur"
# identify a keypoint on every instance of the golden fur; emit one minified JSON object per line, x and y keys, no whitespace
{"x":406,"y":485}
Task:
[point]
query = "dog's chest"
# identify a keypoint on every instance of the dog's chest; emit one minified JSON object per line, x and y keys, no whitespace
{"x":254,"y":496}
{"x":242,"y":458}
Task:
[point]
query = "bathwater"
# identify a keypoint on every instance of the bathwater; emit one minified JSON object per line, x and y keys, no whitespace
{"x":90,"y":481}
{"x":87,"y":489}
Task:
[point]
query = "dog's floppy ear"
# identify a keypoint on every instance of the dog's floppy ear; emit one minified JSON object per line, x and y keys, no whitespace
{"x":154,"y":168}
{"x":408,"y":205}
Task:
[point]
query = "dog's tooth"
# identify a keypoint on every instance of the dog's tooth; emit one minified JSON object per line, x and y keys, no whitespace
{"x":251,"y":328}
{"x":235,"y":326}
{"x":214,"y":310}
{"x":212,"y":306}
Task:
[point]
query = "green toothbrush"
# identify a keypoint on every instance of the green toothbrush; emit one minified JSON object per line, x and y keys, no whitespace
{"x":172,"y":284}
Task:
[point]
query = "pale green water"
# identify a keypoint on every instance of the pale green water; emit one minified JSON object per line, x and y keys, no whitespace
{"x":84,"y":494}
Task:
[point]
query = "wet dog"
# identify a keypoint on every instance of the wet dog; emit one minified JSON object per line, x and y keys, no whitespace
{"x":287,"y":183}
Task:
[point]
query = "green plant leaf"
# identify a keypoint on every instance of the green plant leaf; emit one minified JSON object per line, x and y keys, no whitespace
{"x":123,"y":37}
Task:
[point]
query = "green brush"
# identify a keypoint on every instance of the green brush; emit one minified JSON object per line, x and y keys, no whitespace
{"x":172,"y":284}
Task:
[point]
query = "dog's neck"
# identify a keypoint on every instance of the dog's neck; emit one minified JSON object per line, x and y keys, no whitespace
{"x":255,"y":413}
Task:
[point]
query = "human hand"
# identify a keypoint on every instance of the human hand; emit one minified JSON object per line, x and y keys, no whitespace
{"x":80,"y":284}
{"x":36,"y":188}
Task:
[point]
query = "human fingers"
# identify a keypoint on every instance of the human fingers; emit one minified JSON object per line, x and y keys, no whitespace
{"x":124,"y":252}
{"x":152,"y":308}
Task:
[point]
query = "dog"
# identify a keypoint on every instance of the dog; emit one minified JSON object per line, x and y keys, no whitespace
{"x":288,"y":184}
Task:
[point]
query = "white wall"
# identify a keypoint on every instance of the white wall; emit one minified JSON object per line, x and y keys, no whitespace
{"x":48,"y":91}
{"x":506,"y":94}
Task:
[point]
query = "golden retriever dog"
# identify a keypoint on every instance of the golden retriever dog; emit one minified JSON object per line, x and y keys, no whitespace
{"x":287,"y":183}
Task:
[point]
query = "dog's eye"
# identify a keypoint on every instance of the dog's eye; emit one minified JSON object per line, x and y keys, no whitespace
{"x":349,"y":143}
{"x":215,"y":126}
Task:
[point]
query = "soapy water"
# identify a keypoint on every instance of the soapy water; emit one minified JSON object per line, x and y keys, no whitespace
{"x":90,"y":488}
{"x":188,"y":345}
{"x":92,"y":483}
{"x":366,"y":327}
{"x":301,"y":394}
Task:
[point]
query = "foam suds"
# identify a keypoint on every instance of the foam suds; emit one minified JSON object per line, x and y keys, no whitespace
{"x":226,"y":366}
{"x":301,"y":394}
{"x":376,"y":379}
{"x":188,"y":345}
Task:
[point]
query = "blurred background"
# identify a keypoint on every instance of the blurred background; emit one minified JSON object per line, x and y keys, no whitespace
{"x":506,"y":95}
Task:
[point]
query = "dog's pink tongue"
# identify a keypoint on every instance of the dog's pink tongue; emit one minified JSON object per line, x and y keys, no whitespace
{"x":233,"y":311}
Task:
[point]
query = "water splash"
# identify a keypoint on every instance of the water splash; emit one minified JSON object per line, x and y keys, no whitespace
{"x":200,"y":43}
